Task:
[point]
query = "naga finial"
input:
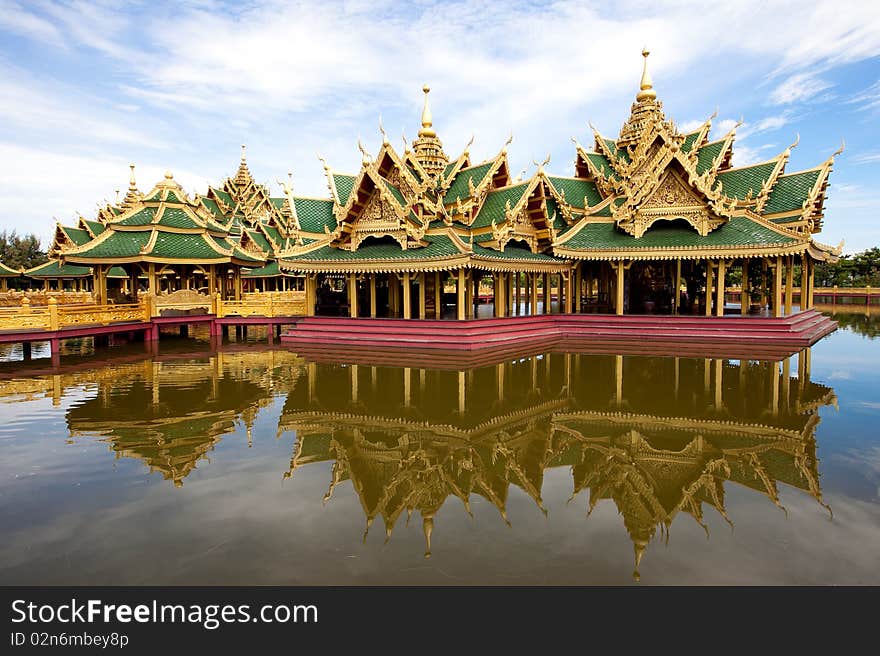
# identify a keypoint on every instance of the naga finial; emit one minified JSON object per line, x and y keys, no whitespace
{"x":364,"y":154}
{"x":507,"y":143}
{"x":469,"y":144}
{"x":382,"y":130}
{"x":323,"y":162}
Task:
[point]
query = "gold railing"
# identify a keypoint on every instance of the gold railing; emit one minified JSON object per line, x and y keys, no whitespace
{"x":14,"y":298}
{"x":267,"y":304}
{"x":54,"y":316}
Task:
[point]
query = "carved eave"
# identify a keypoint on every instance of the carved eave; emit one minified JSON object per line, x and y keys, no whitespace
{"x":496,"y":177}
{"x":389,"y":165}
{"x":444,"y":180}
{"x":384,"y":215}
{"x":761,"y":197}
{"x":249,"y":246}
{"x":585,"y":168}
{"x":60,"y":241}
{"x":814,"y":206}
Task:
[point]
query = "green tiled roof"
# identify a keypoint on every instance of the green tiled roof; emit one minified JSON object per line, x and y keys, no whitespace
{"x":459,"y":189}
{"x":555,"y":213}
{"x":575,"y":191}
{"x":601,"y":162}
{"x":155,"y":196}
{"x":449,"y":168}
{"x":54,"y":269}
{"x":269,"y":271}
{"x":737,"y":183}
{"x":143,"y":216}
{"x":344,"y":185}
{"x":314,"y":214}
{"x":619,"y":154}
{"x":439,"y":246}
{"x":707,"y":154}
{"x":260,"y":239}
{"x":118,"y":244}
{"x":415,"y":173}
{"x":395,"y":192}
{"x":171,"y":197}
{"x":95,"y":226}
{"x":689,"y":141}
{"x":790,"y":192}
{"x":513,"y":253}
{"x":183,"y":246}
{"x":222,"y":195}
{"x":117,"y":272}
{"x":6,"y":271}
{"x":739,"y":231}
{"x":77,"y":235}
{"x":174,"y":217}
{"x":274,"y":234}
{"x":495,"y":204}
{"x":240,"y":254}
{"x":212,"y":207}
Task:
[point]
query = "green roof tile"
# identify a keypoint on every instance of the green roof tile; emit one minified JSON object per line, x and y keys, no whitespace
{"x":576,"y":189}
{"x":179,"y":246}
{"x":459,"y":189}
{"x":95,"y":226}
{"x":117,"y":272}
{"x":496,"y":202}
{"x":143,"y":216}
{"x":118,"y":244}
{"x":260,"y":239}
{"x":790,"y":191}
{"x":77,"y":235}
{"x":314,"y":214}
{"x":707,"y":154}
{"x":7,"y":271}
{"x":737,"y":182}
{"x":395,"y":192}
{"x":54,"y":269}
{"x":344,"y":185}
{"x":371,"y":249}
{"x":603,"y":165}
{"x":739,"y":231}
{"x":689,"y":141}
{"x":513,"y":253}
{"x":269,"y":271}
{"x":175,"y":217}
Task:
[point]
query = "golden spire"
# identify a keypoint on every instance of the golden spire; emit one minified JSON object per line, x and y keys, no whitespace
{"x":132,"y":183}
{"x":427,"y":121}
{"x":132,"y":195}
{"x":646,"y":86}
{"x":428,"y":148}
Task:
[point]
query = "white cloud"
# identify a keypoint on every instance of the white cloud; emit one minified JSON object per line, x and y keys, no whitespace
{"x":868,"y":99}
{"x":798,"y":88}
{"x":867,"y":158}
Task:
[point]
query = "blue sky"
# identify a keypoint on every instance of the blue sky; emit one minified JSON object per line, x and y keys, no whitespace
{"x":87,"y":87}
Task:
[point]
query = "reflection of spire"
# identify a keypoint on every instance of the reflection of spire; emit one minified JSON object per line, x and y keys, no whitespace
{"x":428,"y":528}
{"x":639,"y":547}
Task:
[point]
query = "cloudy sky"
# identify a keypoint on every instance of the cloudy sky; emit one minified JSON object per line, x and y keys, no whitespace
{"x":87,"y":87}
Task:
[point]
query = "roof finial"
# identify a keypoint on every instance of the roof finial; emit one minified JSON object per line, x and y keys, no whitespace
{"x":382,"y":130}
{"x":646,"y":86}
{"x":427,"y":120}
{"x":117,"y":197}
{"x":242,"y":153}
{"x":132,"y":184}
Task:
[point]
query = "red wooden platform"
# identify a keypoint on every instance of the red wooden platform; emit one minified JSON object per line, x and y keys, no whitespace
{"x":734,"y":336}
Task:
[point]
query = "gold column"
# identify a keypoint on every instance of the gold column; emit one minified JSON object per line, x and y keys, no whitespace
{"x":789,"y":283}
{"x":518,"y":309}
{"x":311,"y":293}
{"x":373,"y":308}
{"x":469,"y":294}
{"x":777,"y":288}
{"x":677,"y":308}
{"x":423,"y":311}
{"x":438,"y":295}
{"x":578,"y":282}
{"x":618,"y":292}
{"x":719,"y":286}
{"x":459,"y":288}
{"x":744,"y":300}
{"x":709,"y":283}
{"x":407,"y":304}
{"x":351,"y":283}
{"x":812,"y":269}
{"x":509,"y":293}
{"x":547,"y":297}
{"x":568,"y":293}
{"x":533,"y":302}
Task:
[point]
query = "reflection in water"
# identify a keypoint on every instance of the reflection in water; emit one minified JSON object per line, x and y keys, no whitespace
{"x":863,"y":321}
{"x":657,"y":436}
{"x":654,"y":436}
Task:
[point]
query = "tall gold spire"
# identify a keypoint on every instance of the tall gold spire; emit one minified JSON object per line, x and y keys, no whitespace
{"x":132,"y":195}
{"x":427,"y":120}
{"x":646,"y":86}
{"x":427,"y":148}
{"x":243,"y":175}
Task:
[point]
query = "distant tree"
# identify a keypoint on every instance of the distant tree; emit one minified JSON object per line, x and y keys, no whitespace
{"x":21,"y":251}
{"x":858,"y":270}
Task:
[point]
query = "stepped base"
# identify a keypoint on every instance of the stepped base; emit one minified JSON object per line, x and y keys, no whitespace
{"x":733,"y":337}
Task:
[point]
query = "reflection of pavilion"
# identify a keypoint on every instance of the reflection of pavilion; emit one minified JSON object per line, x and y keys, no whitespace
{"x":657,"y":436}
{"x":170,"y":414}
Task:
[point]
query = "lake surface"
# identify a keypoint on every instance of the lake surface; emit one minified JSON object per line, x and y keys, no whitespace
{"x":245,"y":464}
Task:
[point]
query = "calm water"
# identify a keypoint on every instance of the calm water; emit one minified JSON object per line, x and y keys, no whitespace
{"x":245,"y":464}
